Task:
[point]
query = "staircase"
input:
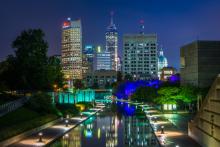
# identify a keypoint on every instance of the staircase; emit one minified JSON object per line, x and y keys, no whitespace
{"x":205,"y":127}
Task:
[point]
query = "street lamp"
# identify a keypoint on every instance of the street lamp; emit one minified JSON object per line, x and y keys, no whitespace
{"x":155,"y":119}
{"x":162,"y":129}
{"x":66,"y":136}
{"x":66,"y":122}
{"x":40,"y":134}
{"x":81,"y":115}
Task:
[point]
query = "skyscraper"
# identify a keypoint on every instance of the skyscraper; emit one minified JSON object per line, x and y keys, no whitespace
{"x":140,"y":55}
{"x":102,"y":59}
{"x":71,"y":52}
{"x":111,"y":37}
{"x":88,"y":59}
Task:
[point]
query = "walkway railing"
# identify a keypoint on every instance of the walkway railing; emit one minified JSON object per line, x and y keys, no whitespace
{"x":13,"y":105}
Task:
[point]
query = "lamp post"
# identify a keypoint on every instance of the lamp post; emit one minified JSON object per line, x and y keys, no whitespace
{"x":81,"y":115}
{"x":40,"y":134}
{"x":67,"y":122}
{"x":155,"y":119}
{"x":66,"y":136}
{"x":162,"y":129}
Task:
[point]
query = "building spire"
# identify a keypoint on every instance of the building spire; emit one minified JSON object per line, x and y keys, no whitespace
{"x":112,"y":14}
{"x":142,"y":26}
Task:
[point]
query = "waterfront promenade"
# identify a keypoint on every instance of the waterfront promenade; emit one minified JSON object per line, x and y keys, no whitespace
{"x":48,"y":135}
{"x":168,"y":133}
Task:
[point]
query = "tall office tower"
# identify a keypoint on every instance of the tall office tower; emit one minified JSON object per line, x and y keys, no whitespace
{"x":162,"y":61}
{"x":71,"y":52}
{"x":88,"y":59}
{"x":111,"y":37}
{"x":102,"y":59}
{"x":140,"y":55}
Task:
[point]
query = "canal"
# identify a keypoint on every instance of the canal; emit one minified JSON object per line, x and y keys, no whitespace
{"x":118,"y":125}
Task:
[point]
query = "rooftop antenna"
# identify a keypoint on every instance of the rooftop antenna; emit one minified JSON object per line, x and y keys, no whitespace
{"x":112,"y":14}
{"x":142,"y":26}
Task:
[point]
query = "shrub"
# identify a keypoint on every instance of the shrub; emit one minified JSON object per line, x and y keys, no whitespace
{"x":42,"y":103}
{"x":67,"y":109}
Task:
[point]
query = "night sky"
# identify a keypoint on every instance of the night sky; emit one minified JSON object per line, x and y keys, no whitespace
{"x":176,"y":22}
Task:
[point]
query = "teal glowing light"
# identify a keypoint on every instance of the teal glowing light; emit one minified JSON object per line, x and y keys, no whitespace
{"x":76,"y":96}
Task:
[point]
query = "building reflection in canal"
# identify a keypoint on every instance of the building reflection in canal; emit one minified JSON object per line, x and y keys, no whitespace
{"x":117,"y":126}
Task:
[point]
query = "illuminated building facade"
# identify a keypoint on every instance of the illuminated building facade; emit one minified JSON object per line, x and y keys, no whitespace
{"x":111,"y":37}
{"x":71,"y":52}
{"x":166,"y":73}
{"x":140,"y":56}
{"x":71,"y":97}
{"x":102,"y":60}
{"x":88,"y":59}
{"x":162,"y":62}
{"x":101,"y":77}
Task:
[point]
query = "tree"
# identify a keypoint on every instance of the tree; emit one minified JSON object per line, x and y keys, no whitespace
{"x":54,"y":74}
{"x":168,"y":95}
{"x":107,"y":85}
{"x":42,"y":103}
{"x":30,"y":69}
{"x":78,"y":84}
{"x":188,"y":95}
{"x":31,"y":60}
{"x":144,"y":93}
{"x":8,"y":80}
{"x":119,"y":76}
{"x":128,"y":77}
{"x":95,"y":85}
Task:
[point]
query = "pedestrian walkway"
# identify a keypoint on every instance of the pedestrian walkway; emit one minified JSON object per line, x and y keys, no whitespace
{"x":167,"y":133}
{"x":51,"y":133}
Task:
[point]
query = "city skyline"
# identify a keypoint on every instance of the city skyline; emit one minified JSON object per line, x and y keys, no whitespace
{"x":176,"y":23}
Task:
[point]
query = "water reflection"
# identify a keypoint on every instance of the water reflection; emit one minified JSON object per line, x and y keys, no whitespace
{"x":119,"y":125}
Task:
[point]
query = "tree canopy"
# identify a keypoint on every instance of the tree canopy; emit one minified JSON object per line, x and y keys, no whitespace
{"x":30,"y":68}
{"x":172,"y":94}
{"x":144,"y":93}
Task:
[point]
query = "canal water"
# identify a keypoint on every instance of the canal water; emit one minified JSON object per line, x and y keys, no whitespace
{"x":118,"y":125}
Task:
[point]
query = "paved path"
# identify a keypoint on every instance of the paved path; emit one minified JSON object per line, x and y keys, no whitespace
{"x":171,"y":135}
{"x":175,"y":132}
{"x":53,"y":132}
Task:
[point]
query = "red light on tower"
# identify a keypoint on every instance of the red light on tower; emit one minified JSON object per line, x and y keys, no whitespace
{"x":141,"y":21}
{"x":66,"y":24}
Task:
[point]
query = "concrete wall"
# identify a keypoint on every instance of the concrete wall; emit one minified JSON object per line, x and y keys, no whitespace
{"x":202,"y":63}
{"x":189,"y":71}
{"x":202,"y":138}
{"x":205,"y":128}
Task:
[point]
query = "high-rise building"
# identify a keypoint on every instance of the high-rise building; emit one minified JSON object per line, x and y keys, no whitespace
{"x":200,"y":63}
{"x":140,"y":56}
{"x":89,"y":51}
{"x":102,"y":59}
{"x":162,"y":62}
{"x":88,"y":59}
{"x":71,"y":52}
{"x":111,"y":37}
